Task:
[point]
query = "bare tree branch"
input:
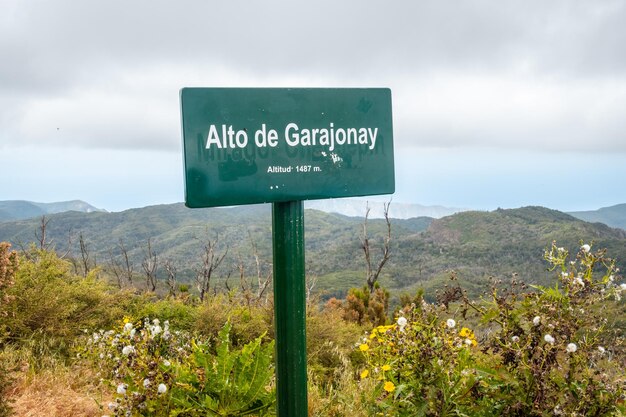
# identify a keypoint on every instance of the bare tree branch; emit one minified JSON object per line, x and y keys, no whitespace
{"x":171,"y":271}
{"x":209,"y":262}
{"x":116,"y":268}
{"x":372,"y":274}
{"x":84,"y":254}
{"x":41,"y":236}
{"x":127,"y":265}
{"x":150,"y":266}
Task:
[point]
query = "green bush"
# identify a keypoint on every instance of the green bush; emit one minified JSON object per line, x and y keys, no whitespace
{"x":51,"y":304}
{"x":8,"y":268}
{"x":173,"y":310}
{"x":248,"y":322}
{"x":541,"y":352}
{"x":154,"y":371}
{"x":227,"y":382}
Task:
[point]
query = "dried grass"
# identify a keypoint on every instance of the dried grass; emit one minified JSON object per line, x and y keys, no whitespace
{"x":61,"y":392}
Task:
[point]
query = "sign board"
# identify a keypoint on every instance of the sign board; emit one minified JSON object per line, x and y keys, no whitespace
{"x":257,"y":145}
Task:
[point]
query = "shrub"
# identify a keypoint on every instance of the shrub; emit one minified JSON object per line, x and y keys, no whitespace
{"x":226,"y":383}
{"x":8,"y":267}
{"x":363,"y":307}
{"x":154,"y":371}
{"x":248,"y":322}
{"x":50,"y":305}
{"x":542,"y":352}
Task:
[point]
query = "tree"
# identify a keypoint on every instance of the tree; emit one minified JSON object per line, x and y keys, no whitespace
{"x":171,"y":271}
{"x":372,"y":274}
{"x":263,"y":280}
{"x":150,"y":265}
{"x":41,"y":236}
{"x":85,"y":256}
{"x":210,"y":261}
{"x":123,"y":270}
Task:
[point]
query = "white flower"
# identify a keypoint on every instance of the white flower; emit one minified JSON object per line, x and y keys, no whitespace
{"x":128,"y":327}
{"x":561,"y":249}
{"x":564,"y":274}
{"x":121,"y":389}
{"x":515,"y":339}
{"x":166,"y":363}
{"x":127,"y":350}
{"x":571,"y":347}
{"x":579,"y":281}
{"x":450,"y":323}
{"x":156,"y":322}
{"x":467,"y":341}
{"x":162,"y":389}
{"x":611,"y":278}
{"x":401,"y":323}
{"x":146,"y":383}
{"x":112,"y":406}
{"x":585,"y":248}
{"x":132,"y":333}
{"x":156,"y":329}
{"x":537,"y":320}
{"x":601,"y":350}
{"x":549,"y":339}
{"x":622,"y":287}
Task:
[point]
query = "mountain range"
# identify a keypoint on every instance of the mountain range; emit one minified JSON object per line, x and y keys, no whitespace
{"x":21,"y":209}
{"x":475,"y":244}
{"x":614,"y":216}
{"x":356,"y":208}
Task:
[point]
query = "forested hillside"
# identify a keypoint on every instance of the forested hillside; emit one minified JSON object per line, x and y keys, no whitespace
{"x":475,"y":244}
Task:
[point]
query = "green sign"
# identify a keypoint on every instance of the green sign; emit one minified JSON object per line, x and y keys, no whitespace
{"x":256,"y":145}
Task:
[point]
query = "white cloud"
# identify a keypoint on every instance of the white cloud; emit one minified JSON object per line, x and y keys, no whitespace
{"x":513,"y":111}
{"x":542,"y":76}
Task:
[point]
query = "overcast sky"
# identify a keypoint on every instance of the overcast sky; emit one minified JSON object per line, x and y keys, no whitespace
{"x":496,"y":103}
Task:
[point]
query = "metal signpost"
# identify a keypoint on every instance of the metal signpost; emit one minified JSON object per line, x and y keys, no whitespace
{"x":258,"y":145}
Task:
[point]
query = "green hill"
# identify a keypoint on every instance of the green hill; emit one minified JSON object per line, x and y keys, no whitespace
{"x":614,"y":216}
{"x":475,"y":244}
{"x":500,"y":243}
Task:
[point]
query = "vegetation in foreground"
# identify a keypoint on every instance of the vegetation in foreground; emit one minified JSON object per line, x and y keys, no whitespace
{"x":83,"y":347}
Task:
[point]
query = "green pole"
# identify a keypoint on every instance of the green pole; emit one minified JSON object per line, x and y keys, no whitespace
{"x":290,"y":308}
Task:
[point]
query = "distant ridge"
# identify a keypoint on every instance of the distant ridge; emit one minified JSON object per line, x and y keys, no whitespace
{"x":22,"y":209}
{"x":614,"y":216}
{"x":356,"y":208}
{"x":474,"y":244}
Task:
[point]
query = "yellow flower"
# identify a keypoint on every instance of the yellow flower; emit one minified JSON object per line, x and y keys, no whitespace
{"x":386,"y":368}
{"x":364,"y":347}
{"x":389,"y":386}
{"x":465,"y":332}
{"x":364,"y":374}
